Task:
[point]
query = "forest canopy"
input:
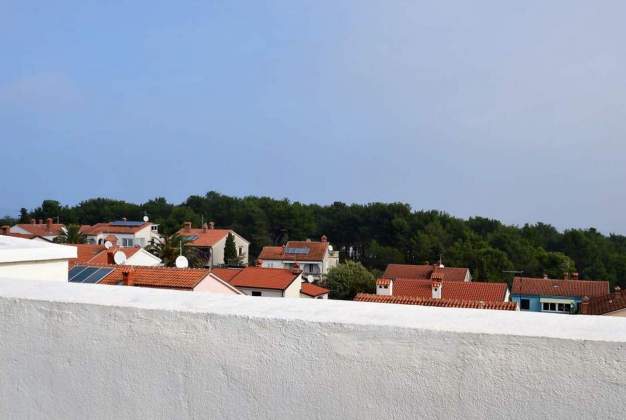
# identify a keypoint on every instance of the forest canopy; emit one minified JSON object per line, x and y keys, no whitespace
{"x":376,"y":234}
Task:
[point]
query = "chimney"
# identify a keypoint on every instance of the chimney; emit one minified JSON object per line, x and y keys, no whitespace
{"x":211,"y":225}
{"x":49,"y":223}
{"x":545,"y":276}
{"x":127,"y":277}
{"x":584,"y":306}
{"x":437,"y":285}
{"x":259,"y":262}
{"x":40,"y":221}
{"x":124,"y":219}
{"x":187,"y":226}
{"x":308,"y":240}
{"x":565,"y":276}
{"x":110,"y":258}
{"x":574,"y":276}
{"x":296,"y":268}
{"x":33,"y":221}
{"x":4,"y":230}
{"x":205,"y":227}
{"x":324,"y":238}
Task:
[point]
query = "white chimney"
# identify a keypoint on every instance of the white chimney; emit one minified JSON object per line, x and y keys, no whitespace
{"x":437,"y":285}
{"x":384,"y":287}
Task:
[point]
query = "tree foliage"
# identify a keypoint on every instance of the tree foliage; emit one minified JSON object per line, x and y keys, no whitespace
{"x":71,"y":235}
{"x":171,"y":247}
{"x":348,"y":279}
{"x":376,"y":234}
{"x":231,"y":257}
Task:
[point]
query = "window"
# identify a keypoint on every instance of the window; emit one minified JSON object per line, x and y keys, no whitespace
{"x":257,"y":294}
{"x":524,"y":304}
{"x":127,"y":242}
{"x":556,"y":307}
{"x":240,"y":251}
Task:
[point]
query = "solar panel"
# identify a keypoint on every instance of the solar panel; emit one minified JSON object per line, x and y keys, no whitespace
{"x":98,"y":275}
{"x":191,"y":238}
{"x":126,"y":223}
{"x":82,"y":274}
{"x":300,"y":251}
{"x":80,"y":277}
{"x":75,"y":271}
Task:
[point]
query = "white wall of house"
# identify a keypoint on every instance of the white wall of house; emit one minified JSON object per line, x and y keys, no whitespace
{"x":141,"y":238}
{"x":53,"y":270}
{"x":83,"y":351}
{"x":214,"y":286}
{"x":240,"y":243}
{"x":143,"y":258}
{"x":264,"y":292}
{"x":324,"y":296}
{"x":293,"y":291}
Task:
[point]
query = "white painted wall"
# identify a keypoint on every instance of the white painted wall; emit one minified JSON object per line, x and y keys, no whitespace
{"x":218,"y":249}
{"x":143,"y":258}
{"x":264,"y":292}
{"x":212,"y":285}
{"x":50,"y":270}
{"x":89,"y":351}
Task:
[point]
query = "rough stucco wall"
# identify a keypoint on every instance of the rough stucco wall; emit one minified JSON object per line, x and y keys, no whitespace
{"x":87,"y":351}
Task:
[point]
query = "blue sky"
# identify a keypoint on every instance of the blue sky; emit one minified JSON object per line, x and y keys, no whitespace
{"x":512,"y":111}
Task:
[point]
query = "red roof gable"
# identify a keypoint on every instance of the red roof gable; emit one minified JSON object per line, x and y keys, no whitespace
{"x":99,"y":228}
{"x":477,"y":291}
{"x":204,"y":237}
{"x":315,"y":251}
{"x":550,"y":287}
{"x":42,"y":229}
{"x":166,"y":277}
{"x":424,"y":272}
{"x":313,"y":290}
{"x":257,"y":277}
{"x":445,"y":303}
{"x":97,"y":254}
{"x":605,"y":304}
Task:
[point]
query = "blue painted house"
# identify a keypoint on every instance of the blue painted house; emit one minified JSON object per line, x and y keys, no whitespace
{"x":555,"y":296}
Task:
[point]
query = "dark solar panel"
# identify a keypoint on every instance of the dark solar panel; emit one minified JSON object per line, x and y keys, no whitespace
{"x":301,"y":251}
{"x":75,"y":271}
{"x":191,"y":238}
{"x":80,"y":277}
{"x":126,"y":223}
{"x":98,"y":275}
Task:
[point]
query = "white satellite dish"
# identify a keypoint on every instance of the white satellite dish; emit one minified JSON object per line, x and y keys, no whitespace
{"x":108,"y":245}
{"x":182,"y":262}
{"x":119,"y":257}
{"x":146,"y":219}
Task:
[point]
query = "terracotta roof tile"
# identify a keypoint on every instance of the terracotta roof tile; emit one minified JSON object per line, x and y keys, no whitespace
{"x":445,"y":303}
{"x":609,"y":303}
{"x":204,"y":237}
{"x":97,"y":254}
{"x":424,"y":272}
{"x":166,"y":277}
{"x":257,"y":277}
{"x":313,"y":290}
{"x":42,"y":229}
{"x":315,"y":251}
{"x":550,"y":287}
{"x":476,"y":291}
{"x":100,"y":228}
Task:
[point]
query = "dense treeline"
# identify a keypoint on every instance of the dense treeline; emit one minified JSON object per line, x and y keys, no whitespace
{"x":377,"y":234}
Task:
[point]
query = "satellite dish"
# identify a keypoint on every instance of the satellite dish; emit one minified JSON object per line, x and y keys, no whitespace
{"x":146,"y":219}
{"x":108,"y":244}
{"x":182,"y":262}
{"x":119,"y":257}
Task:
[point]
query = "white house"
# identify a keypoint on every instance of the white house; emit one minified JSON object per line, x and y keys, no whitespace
{"x":210,"y":242}
{"x":315,"y":258}
{"x":38,"y":229}
{"x":123,"y":233}
{"x":99,"y":254}
{"x":26,"y":259}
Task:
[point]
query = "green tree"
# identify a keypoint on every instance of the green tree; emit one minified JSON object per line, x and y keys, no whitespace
{"x":230,"y":251}
{"x":170,"y":248}
{"x":348,"y":279}
{"x":24,"y":216}
{"x":71,"y":235}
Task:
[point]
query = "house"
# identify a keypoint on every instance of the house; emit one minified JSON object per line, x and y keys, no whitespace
{"x":211,"y":242}
{"x":313,"y":291}
{"x":442,"y":303}
{"x":425,"y":272}
{"x":27,"y":259}
{"x":191,"y":279}
{"x":38,"y":229}
{"x":123,"y":233}
{"x":555,"y":296}
{"x":443,"y":289}
{"x":613,"y":304}
{"x":259,"y":281}
{"x":99,"y":254}
{"x":315,"y":258}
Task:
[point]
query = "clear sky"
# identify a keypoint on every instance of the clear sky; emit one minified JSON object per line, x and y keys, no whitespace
{"x":512,"y":110}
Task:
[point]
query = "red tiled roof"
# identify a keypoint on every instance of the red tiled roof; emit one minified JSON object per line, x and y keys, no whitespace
{"x":205,"y":238}
{"x":317,"y":251}
{"x":605,"y":304}
{"x":474,"y":291}
{"x":445,"y":303}
{"x":41,"y":229}
{"x":550,"y":287}
{"x":383,"y":282}
{"x":313,"y":290}
{"x":166,"y":277}
{"x":97,"y":254}
{"x":424,"y":272}
{"x":257,"y":277}
{"x":99,"y":228}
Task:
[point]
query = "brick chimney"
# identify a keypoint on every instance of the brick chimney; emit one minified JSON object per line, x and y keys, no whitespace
{"x":33,"y":221}
{"x":205,"y":227}
{"x":40,"y":221}
{"x":211,"y":225}
{"x":324,"y":238}
{"x":574,"y":276}
{"x":110,"y":258}
{"x":259,"y":262}
{"x":5,"y":230}
{"x":437,"y":285}
{"x":49,"y":224}
{"x":296,"y":268}
{"x":566,"y":276}
{"x":128,"y":277}
{"x":187,"y":226}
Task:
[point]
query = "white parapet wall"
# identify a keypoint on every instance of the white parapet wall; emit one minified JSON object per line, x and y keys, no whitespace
{"x":88,"y":351}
